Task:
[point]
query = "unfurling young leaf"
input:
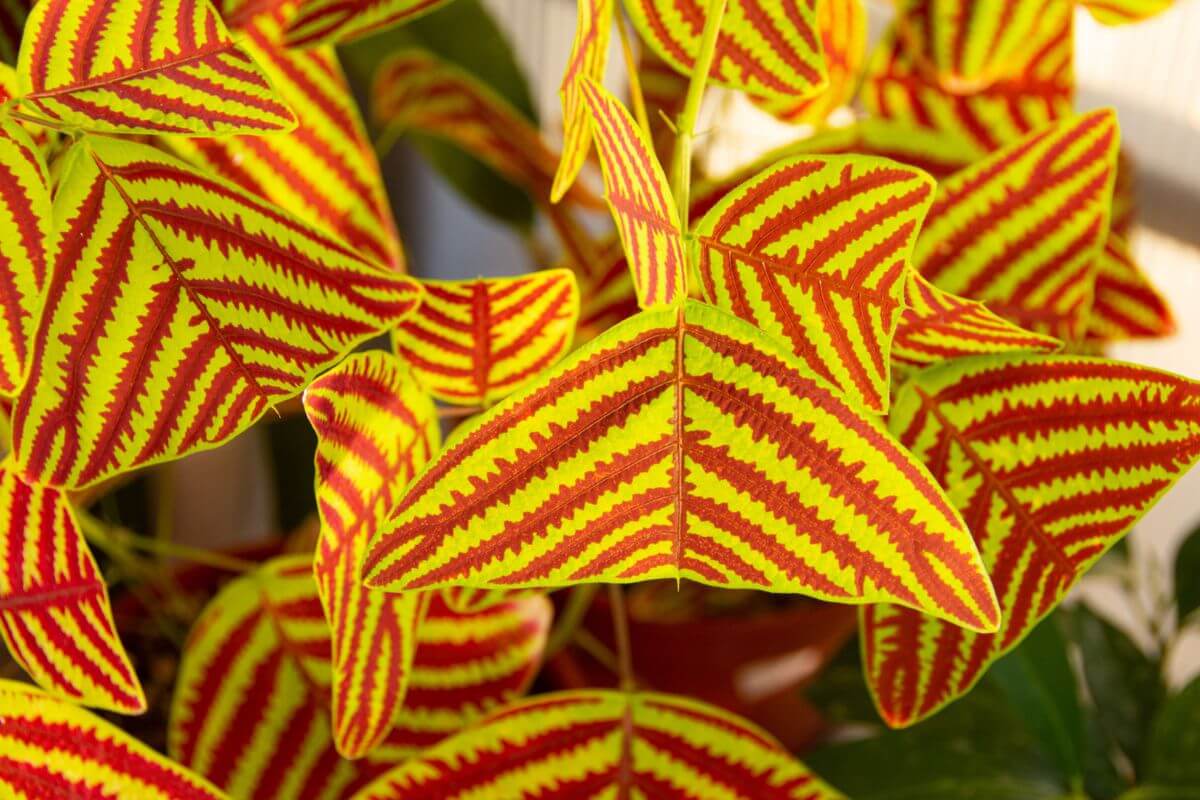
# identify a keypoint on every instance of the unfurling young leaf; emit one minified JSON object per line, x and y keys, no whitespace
{"x":1050,"y":460}
{"x":589,"y":54}
{"x":338,"y":21}
{"x":597,"y":743}
{"x":684,"y":443}
{"x":473,"y":342}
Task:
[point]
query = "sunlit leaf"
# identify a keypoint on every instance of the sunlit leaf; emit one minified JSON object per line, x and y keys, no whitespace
{"x":1123,"y":12}
{"x":1126,"y":304}
{"x":337,"y":21}
{"x":186,"y":308}
{"x":1050,"y":459}
{"x":589,"y":54}
{"x":683,"y":443}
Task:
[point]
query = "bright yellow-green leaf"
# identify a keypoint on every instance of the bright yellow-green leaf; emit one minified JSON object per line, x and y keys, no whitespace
{"x":589,"y":54}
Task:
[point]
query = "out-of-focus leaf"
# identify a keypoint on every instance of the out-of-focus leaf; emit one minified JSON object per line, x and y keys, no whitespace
{"x":330,"y":21}
{"x":1187,"y":575}
{"x":1171,"y":764}
{"x":1123,"y":12}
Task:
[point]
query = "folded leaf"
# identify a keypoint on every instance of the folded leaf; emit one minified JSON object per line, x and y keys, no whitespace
{"x":1021,"y":229}
{"x":186,"y":308}
{"x":683,"y":443}
{"x":589,"y":54}
{"x":49,"y":748}
{"x":937,"y":326}
{"x":1126,"y":306}
{"x":341,"y":21}
{"x":598,"y":743}
{"x":1123,"y":12}
{"x":24,"y":229}
{"x":142,"y":66}
{"x":768,"y":49}
{"x":1050,"y":459}
{"x":814,"y":251}
{"x":375,"y":428}
{"x":54,"y":611}
{"x":472,"y":342}
{"x":640,"y":200}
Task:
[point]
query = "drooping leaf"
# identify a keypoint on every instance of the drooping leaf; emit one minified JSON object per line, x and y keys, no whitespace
{"x":1021,"y":229}
{"x":683,"y":443}
{"x":768,"y":49}
{"x":24,"y":229}
{"x":815,"y":250}
{"x":325,"y":171}
{"x":142,"y":66}
{"x":597,"y":743}
{"x":640,"y":200}
{"x":1050,"y":459}
{"x":589,"y":54}
{"x":1123,"y":12}
{"x":186,"y":308}
{"x":50,"y":748}
{"x":54,"y":611}
{"x":936,"y":326}
{"x":1187,"y":575}
{"x":337,"y":21}
{"x":1126,"y":304}
{"x":251,"y":708}
{"x":472,"y":342}
{"x":375,"y":428}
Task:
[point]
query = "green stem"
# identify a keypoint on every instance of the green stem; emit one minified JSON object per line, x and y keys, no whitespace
{"x":112,"y":537}
{"x":636,"y":97}
{"x":616,"y":599}
{"x":574,"y":610}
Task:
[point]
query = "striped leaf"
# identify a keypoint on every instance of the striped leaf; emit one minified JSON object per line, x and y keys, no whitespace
{"x":49,"y":748}
{"x":937,"y":326}
{"x":598,"y":743}
{"x":1021,"y":229}
{"x":375,"y":428}
{"x":767,"y":49}
{"x":24,"y":229}
{"x":142,"y":66}
{"x":472,"y":342}
{"x":1123,"y":12}
{"x":186,"y":309}
{"x":325,"y":171}
{"x":1126,"y":305}
{"x":683,"y":443}
{"x":608,"y":295}
{"x":251,"y":709}
{"x":54,"y":611}
{"x":1050,"y":459}
{"x":340,"y":21}
{"x":640,"y":200}
{"x":814,"y":250}
{"x":589,"y":54}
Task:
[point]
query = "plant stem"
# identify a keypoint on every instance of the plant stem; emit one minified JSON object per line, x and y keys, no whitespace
{"x":111,"y":536}
{"x":635,"y":83}
{"x":616,"y":599}
{"x":572,"y":615}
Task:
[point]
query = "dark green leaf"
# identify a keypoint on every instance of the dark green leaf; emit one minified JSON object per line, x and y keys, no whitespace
{"x":1172,"y":759}
{"x":1187,"y":575}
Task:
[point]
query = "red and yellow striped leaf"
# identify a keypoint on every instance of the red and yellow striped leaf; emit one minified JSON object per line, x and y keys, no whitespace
{"x":1021,"y":229}
{"x":54,"y":610}
{"x":251,"y":709}
{"x":683,"y":443}
{"x":814,"y":250}
{"x":339,"y":21}
{"x":608,"y":295}
{"x":142,"y":66}
{"x":1050,"y":459}
{"x":589,"y":54}
{"x":600,"y":743}
{"x":24,"y":229}
{"x":770,"y":49}
{"x":325,"y":171}
{"x":1126,"y":305}
{"x":937,"y":326}
{"x":640,"y":200}
{"x":186,"y":308}
{"x":50,"y":748}
{"x":1123,"y":12}
{"x":375,"y":428}
{"x":472,"y":342}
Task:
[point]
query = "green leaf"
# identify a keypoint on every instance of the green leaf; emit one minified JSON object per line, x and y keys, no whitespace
{"x":1171,"y":763}
{"x":1187,"y":575}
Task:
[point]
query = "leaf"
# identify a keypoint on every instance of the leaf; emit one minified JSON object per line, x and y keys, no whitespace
{"x":607,"y":293}
{"x":336,"y":21}
{"x":1126,"y":305}
{"x":1050,"y":459}
{"x":1123,"y":12}
{"x":54,"y":610}
{"x":472,"y":342}
{"x":1187,"y":576}
{"x":137,"y":66}
{"x":187,"y":308}
{"x":25,"y":229}
{"x":936,"y":326}
{"x":640,"y":200}
{"x":1021,"y":229}
{"x":589,"y":54}
{"x":598,"y":743}
{"x":50,"y":748}
{"x":683,"y":443}
{"x":375,"y":428}
{"x":1170,"y":761}
{"x":814,"y":251}
{"x":767,"y":49}
{"x":251,"y":708}
{"x":325,"y":171}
